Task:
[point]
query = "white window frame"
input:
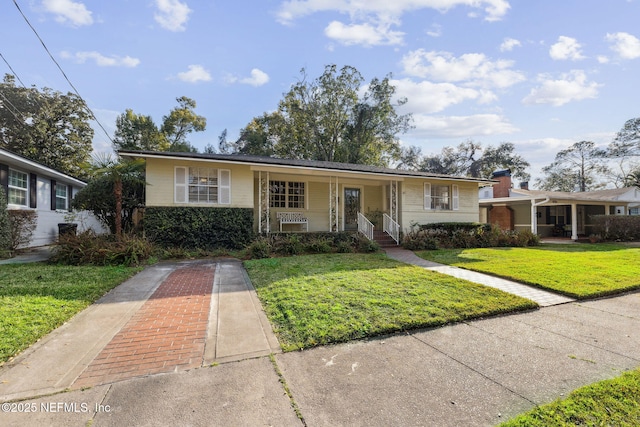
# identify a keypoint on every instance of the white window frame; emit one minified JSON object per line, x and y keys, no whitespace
{"x":454,"y":197}
{"x":20,"y":189}
{"x":288,"y":187}
{"x":182,"y":177}
{"x":65,"y":198}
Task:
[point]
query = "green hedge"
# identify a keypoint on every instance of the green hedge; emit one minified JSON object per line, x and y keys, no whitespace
{"x":199,"y":227}
{"x":617,"y":227}
{"x":448,"y":235}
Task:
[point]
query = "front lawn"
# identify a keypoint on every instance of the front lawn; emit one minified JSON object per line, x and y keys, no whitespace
{"x":613,"y":402}
{"x":320,"y":299}
{"x":37,"y":298}
{"x":580,"y":271}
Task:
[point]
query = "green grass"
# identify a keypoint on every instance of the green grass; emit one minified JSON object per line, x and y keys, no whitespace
{"x":37,"y":298}
{"x":613,"y":402}
{"x":321,"y":299}
{"x":580,"y":271}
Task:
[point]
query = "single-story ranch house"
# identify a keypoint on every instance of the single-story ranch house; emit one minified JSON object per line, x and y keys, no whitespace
{"x":29,"y":185}
{"x":551,"y":213}
{"x":303,"y":195}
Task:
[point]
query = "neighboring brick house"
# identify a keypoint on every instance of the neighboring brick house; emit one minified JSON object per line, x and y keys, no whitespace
{"x":551,"y":213}
{"x":32,"y":186}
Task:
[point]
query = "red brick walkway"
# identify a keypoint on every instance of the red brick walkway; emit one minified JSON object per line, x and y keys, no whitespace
{"x":167,"y":334}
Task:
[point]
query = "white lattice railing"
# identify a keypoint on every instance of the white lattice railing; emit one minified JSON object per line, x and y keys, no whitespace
{"x":391,"y":227}
{"x":365,"y":226}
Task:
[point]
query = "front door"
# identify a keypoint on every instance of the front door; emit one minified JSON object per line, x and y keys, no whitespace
{"x":351,"y":208}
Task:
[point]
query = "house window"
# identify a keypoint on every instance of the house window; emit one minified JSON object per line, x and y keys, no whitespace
{"x":202,"y":185}
{"x":61,"y":197}
{"x":284,"y":194}
{"x":18,"y":188}
{"x":441,"y":197}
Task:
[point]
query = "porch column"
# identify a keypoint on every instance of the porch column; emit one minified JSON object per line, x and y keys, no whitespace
{"x":393,"y":200}
{"x":574,"y":221}
{"x":534,"y":217}
{"x":263,"y":203}
{"x":333,"y":203}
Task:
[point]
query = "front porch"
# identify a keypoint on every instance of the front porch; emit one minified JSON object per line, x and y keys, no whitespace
{"x":308,"y":201}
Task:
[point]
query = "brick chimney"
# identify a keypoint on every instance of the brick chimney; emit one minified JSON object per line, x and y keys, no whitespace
{"x":524,"y":185}
{"x":501,"y":189}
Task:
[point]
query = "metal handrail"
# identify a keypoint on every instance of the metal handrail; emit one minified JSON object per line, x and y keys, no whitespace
{"x":365,"y":226}
{"x":391,"y":227}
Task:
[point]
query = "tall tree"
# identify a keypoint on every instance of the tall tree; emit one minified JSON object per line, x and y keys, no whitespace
{"x":331,"y":118}
{"x":180,"y":122}
{"x":471,"y":159}
{"x":259,"y":137}
{"x":138,"y":132}
{"x":46,"y":126}
{"x":582,"y":163}
{"x":624,"y":152}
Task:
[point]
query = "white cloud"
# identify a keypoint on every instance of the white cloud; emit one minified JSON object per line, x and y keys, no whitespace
{"x":196,"y":73}
{"x":508,"y":44}
{"x":625,"y":45}
{"x":473,"y":69}
{"x":363,"y":34}
{"x":461,"y":126}
{"x":602,"y":59}
{"x":566,"y":48}
{"x":385,"y":10}
{"x":569,"y":87}
{"x":172,"y":15}
{"x":426,"y":97}
{"x":101,"y":60}
{"x":258,"y":78}
{"x":68,"y":11}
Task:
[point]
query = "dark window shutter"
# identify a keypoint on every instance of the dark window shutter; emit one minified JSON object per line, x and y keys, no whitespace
{"x":33,"y":190}
{"x":4,"y":178}
{"x":69,"y":196}
{"x":53,"y":194}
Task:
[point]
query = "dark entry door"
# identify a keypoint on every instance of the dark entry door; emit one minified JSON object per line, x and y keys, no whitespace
{"x":351,"y":208}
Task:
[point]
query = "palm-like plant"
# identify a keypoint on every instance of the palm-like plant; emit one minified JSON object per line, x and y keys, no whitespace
{"x":633,"y":179}
{"x":116,"y":170}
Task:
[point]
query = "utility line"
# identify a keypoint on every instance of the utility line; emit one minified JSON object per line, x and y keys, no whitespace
{"x":11,"y":68}
{"x":62,"y":71}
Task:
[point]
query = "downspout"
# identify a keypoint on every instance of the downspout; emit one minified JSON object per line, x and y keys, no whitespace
{"x":534,"y":217}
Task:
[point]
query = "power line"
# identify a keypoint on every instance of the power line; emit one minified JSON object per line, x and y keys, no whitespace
{"x":15,"y":109}
{"x":62,"y":71}
{"x":14,"y":73}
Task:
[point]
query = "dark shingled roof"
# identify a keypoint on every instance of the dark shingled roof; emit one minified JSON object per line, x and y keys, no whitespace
{"x":264,"y":160}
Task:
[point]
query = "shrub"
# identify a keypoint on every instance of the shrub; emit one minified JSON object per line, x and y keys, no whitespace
{"x":617,"y":227}
{"x":259,"y":248}
{"x":87,"y":248}
{"x":199,"y":227}
{"x":286,"y":244}
{"x":464,"y":235}
{"x":22,"y":223}
{"x":5,"y":241}
{"x":319,"y":246}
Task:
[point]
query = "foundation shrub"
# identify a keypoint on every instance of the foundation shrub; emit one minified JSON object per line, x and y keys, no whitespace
{"x":88,"y":248}
{"x":22,"y":224}
{"x":464,"y":235}
{"x":287,"y":244}
{"x":617,"y":227}
{"x":199,"y":227}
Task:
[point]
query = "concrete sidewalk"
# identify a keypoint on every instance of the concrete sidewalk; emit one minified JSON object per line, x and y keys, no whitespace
{"x":96,"y":339}
{"x":543,"y":298}
{"x":478,"y":373}
{"x":475,"y":373}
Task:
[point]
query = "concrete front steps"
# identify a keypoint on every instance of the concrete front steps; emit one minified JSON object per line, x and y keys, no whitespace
{"x":384,"y":240}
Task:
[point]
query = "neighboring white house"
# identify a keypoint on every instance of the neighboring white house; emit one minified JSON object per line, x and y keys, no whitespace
{"x":32,"y":186}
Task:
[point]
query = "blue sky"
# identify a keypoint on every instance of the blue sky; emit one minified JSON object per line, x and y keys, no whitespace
{"x":542,"y":74}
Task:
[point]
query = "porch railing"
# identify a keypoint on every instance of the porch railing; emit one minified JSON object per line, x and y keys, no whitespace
{"x":365,"y":226}
{"x":391,"y":227}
